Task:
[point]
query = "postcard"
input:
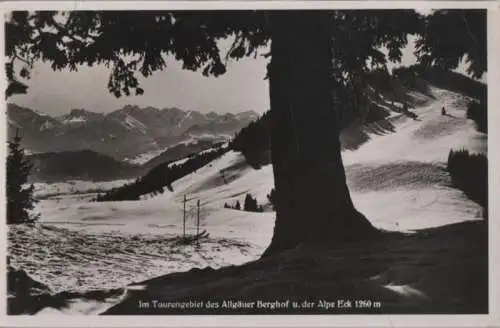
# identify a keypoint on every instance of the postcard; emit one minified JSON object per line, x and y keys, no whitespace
{"x":250,"y":163}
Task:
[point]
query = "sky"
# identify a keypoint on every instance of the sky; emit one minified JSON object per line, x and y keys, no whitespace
{"x":242,"y":88}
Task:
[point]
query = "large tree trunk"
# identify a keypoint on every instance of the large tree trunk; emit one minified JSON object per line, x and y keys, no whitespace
{"x":313,"y":203}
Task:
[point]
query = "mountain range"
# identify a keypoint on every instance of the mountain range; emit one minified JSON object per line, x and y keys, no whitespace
{"x":124,"y":133}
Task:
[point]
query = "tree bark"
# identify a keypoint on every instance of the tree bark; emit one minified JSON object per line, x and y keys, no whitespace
{"x":313,"y":203}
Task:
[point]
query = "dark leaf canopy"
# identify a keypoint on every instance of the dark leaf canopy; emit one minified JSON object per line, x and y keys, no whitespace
{"x":132,"y":42}
{"x":452,"y":35}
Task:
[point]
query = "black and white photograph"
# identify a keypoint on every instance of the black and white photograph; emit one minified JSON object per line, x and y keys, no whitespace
{"x":279,"y":161}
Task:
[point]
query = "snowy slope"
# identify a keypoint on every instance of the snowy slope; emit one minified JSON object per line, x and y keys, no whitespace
{"x":163,"y":215}
{"x":145,"y":157}
{"x":412,"y":187}
{"x":44,"y":190}
{"x":397,"y":180}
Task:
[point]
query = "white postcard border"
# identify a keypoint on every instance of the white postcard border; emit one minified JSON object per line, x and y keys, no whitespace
{"x":375,"y":320}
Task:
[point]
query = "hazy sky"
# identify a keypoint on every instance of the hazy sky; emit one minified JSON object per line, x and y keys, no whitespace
{"x":242,"y":88}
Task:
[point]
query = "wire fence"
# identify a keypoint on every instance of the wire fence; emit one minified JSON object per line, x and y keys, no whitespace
{"x":193,"y":215}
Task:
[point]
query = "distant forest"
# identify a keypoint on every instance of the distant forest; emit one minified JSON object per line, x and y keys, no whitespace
{"x":161,"y":176}
{"x":94,"y":166}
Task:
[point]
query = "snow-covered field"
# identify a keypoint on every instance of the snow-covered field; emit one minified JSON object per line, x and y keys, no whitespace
{"x":397,"y":180}
{"x":45,"y":190}
{"x":145,"y":157}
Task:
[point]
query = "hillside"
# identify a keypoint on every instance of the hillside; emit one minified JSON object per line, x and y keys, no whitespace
{"x":434,"y":261}
{"x":125,"y":133}
{"x":93,"y":166}
{"x":163,"y":175}
{"x":78,"y":165}
{"x":178,"y":151}
{"x":383,"y":98}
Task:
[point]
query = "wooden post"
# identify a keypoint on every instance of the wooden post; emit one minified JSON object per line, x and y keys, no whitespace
{"x":198,"y":218}
{"x":184,"y":219}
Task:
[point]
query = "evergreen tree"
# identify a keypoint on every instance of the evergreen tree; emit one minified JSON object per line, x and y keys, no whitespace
{"x":237,"y":206}
{"x":272,"y":197}
{"x":250,"y":204}
{"x":19,"y":198}
{"x":246,"y":204}
{"x":255,"y":205}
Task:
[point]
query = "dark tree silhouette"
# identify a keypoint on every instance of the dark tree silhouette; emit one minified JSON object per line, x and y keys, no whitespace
{"x":314,"y":60}
{"x":253,"y":141}
{"x":19,"y":197}
{"x":469,"y":172}
{"x":271,"y":197}
{"x":452,"y":35}
{"x":250,"y":204}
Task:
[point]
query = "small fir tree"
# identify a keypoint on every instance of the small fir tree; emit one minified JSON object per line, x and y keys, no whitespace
{"x":19,"y":198}
{"x":250,"y":204}
{"x":246,"y":204}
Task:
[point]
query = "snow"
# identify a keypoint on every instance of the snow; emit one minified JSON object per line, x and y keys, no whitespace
{"x":82,"y":260}
{"x":193,"y":138}
{"x":427,"y":139}
{"x":76,"y":119}
{"x":46,"y":125}
{"x":133,"y":123}
{"x":82,"y":306}
{"x":39,"y":112}
{"x":421,"y":147}
{"x":405,"y":290}
{"x":251,"y":115}
{"x":397,"y":180}
{"x":187,"y":116}
{"x":186,"y":158}
{"x":145,"y":157}
{"x":44,"y":190}
{"x":163,"y":215}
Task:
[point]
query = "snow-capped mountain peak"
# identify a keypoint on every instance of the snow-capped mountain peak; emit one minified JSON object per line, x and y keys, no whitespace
{"x":131,"y":122}
{"x":250,"y":114}
{"x":79,"y":116}
{"x":125,"y":132}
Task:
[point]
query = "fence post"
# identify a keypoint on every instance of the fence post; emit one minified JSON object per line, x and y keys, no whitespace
{"x":184,"y":219}
{"x":198,"y":218}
